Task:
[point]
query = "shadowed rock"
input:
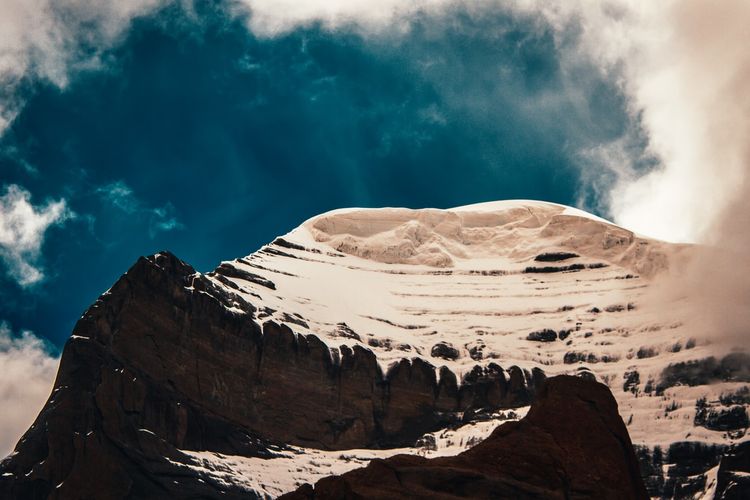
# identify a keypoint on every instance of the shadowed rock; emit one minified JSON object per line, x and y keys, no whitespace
{"x":572,"y":444}
{"x":555,"y":256}
{"x":444,"y":350}
{"x":733,"y":477}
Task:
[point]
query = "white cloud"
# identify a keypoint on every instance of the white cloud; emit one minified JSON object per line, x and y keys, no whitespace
{"x":684,"y":66}
{"x":275,"y":17}
{"x":22,"y":230}
{"x":28,"y":372}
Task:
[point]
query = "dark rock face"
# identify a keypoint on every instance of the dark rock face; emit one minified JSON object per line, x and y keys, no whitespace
{"x":650,"y":463}
{"x":233,"y":272}
{"x":555,"y":256}
{"x":687,"y":462}
{"x":722,"y":419}
{"x":632,"y":381}
{"x":732,"y":367}
{"x":444,"y":350}
{"x":588,"y":357}
{"x":739,"y":397}
{"x":545,"y":335}
{"x":733,"y":477}
{"x":554,"y":269}
{"x":572,"y":444}
{"x":166,"y":360}
{"x":114,"y":422}
{"x":682,"y":471}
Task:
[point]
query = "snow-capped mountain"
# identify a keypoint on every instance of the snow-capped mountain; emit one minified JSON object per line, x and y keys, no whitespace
{"x":364,"y":333}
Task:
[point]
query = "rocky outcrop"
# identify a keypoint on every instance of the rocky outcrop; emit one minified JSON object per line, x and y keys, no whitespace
{"x":444,"y":350}
{"x":572,"y":444}
{"x":167,"y":360}
{"x":733,"y":476}
{"x":734,"y":367}
{"x":684,"y":470}
{"x":555,"y":256}
{"x":546,"y":335}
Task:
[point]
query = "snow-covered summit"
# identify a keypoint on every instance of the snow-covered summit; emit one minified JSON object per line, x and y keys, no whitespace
{"x":508,"y":233}
{"x":365,"y":333}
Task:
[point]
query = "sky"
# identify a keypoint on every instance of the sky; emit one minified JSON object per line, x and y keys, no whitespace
{"x":209,"y":127}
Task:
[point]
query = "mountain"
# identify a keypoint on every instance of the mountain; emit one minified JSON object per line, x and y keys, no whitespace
{"x":366,"y":333}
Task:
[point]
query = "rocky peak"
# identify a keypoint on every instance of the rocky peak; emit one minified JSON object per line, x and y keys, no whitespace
{"x":167,"y":360}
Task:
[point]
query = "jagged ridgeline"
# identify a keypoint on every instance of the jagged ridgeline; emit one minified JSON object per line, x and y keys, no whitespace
{"x":363,"y":334}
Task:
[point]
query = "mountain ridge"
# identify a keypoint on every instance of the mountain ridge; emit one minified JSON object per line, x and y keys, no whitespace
{"x":251,"y":378}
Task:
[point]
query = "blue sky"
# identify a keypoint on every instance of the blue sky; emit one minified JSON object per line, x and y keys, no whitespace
{"x":193,"y":134}
{"x":209,"y":127}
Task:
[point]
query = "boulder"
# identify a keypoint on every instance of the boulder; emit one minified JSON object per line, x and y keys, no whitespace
{"x":444,"y":350}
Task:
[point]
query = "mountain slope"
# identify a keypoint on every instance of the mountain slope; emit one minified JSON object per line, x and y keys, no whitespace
{"x":377,"y":332}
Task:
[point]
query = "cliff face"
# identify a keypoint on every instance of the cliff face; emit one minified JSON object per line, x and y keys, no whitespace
{"x":572,"y":444}
{"x":166,"y":360}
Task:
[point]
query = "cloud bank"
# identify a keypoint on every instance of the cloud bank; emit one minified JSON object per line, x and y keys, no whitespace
{"x":28,"y":372}
{"x":22,"y":231}
{"x":685,"y":67}
{"x":696,"y":106}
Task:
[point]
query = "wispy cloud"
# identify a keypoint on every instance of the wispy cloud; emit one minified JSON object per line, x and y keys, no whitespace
{"x":162,"y":219}
{"x":50,"y":39}
{"x":23,"y":227}
{"x":121,"y":196}
{"x":28,"y":371}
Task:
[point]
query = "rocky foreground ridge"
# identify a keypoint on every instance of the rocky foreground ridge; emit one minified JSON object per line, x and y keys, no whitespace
{"x":572,"y":444}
